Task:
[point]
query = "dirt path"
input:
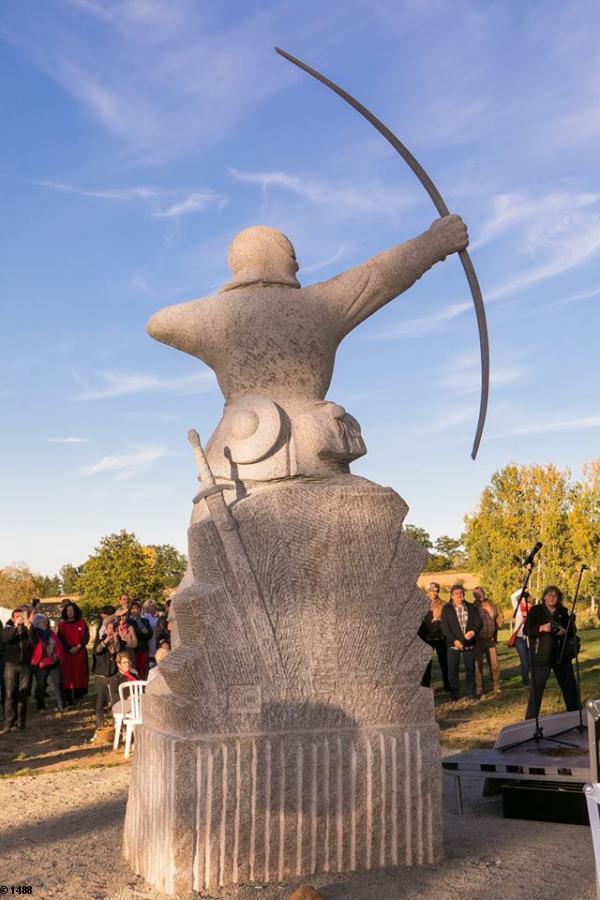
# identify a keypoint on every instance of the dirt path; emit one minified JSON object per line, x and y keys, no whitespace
{"x":61,"y":833}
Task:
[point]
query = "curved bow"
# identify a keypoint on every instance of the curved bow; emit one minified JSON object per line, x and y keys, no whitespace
{"x":442,"y":209}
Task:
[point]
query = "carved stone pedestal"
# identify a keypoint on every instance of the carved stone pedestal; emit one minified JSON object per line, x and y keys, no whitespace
{"x":234,"y":809}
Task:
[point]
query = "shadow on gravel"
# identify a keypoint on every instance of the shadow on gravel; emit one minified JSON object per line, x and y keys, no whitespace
{"x":95,"y":819}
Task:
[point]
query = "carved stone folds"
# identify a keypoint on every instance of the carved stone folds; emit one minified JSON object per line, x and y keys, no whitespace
{"x":287,"y":732}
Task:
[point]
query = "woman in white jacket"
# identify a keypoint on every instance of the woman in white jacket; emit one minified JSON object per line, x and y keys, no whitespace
{"x":520,"y":611}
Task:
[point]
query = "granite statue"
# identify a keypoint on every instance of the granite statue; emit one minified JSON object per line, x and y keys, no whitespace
{"x":287,"y":732}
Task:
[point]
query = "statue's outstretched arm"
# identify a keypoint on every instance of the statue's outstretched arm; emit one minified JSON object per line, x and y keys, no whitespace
{"x":180,"y":326}
{"x":358,"y":293}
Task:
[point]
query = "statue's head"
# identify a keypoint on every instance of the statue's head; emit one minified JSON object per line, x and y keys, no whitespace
{"x":261,"y":254}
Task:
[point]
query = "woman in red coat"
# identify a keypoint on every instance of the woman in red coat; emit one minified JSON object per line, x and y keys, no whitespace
{"x":74,"y":635}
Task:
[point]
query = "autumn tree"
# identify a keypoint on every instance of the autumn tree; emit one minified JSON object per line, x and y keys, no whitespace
{"x":523,"y":504}
{"x":17,"y":586}
{"x":584,"y":524}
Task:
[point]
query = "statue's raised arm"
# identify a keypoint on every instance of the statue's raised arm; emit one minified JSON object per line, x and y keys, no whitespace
{"x":358,"y":293}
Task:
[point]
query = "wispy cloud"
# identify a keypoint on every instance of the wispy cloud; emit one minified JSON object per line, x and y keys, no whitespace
{"x":325,"y":263}
{"x":421,"y":325}
{"x":462,"y":374}
{"x":101,"y":385}
{"x":542,"y":218}
{"x":68,"y":440}
{"x":162,"y":203}
{"x":561,"y":230}
{"x":574,"y":298}
{"x":370,"y":198}
{"x":548,"y":426}
{"x":127,"y":465}
{"x":164,"y":76}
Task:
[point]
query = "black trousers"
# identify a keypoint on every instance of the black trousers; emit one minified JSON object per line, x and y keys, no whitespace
{"x":566,"y":681}
{"x":17,"y":684}
{"x":73,"y":695}
{"x":104,"y":696}
{"x":42,"y":676}
{"x":454,"y":658}
{"x":441,"y":648}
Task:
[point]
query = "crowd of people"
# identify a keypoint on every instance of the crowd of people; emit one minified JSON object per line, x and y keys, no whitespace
{"x":461,"y":632}
{"x":131,"y":638}
{"x":35,"y":653}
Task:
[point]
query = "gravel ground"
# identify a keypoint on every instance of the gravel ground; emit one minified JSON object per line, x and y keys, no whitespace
{"x":61,"y":833}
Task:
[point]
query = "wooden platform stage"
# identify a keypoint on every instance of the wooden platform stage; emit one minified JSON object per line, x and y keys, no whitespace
{"x":575,"y":760}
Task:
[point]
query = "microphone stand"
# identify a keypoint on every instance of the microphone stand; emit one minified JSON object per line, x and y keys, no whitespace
{"x":538,"y":734}
{"x":581,"y":726}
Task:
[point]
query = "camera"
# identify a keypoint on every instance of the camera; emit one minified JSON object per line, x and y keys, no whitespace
{"x":554,"y":628}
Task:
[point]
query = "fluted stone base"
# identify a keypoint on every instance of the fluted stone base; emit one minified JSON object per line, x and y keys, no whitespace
{"x":234,"y":809}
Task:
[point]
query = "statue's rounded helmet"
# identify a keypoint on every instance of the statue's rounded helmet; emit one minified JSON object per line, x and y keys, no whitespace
{"x":262,"y":254}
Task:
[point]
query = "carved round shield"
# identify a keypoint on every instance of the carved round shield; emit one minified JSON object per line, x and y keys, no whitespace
{"x":252,"y":427}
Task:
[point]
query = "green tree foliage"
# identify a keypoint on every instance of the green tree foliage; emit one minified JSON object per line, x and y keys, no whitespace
{"x":168,"y":565}
{"x":419,"y":535}
{"x":448,"y":553}
{"x":523,"y":504}
{"x":69,"y":578}
{"x":47,"y":586}
{"x":120,"y":564}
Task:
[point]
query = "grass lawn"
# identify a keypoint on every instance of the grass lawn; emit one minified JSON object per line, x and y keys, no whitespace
{"x":469,"y":723}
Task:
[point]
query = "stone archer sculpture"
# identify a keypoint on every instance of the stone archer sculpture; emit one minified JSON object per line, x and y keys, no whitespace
{"x":267,"y":337}
{"x":287,"y":733}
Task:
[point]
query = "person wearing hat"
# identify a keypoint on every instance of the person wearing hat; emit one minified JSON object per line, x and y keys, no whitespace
{"x":46,"y":662}
{"x":125,"y":633}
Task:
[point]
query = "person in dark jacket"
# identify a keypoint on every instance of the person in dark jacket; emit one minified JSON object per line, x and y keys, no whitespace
{"x":19,"y":641}
{"x":104,"y":662}
{"x":546,"y":626}
{"x":461,"y":623}
{"x":430,"y":631}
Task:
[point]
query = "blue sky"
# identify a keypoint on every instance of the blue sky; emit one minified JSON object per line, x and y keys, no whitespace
{"x":141,"y":135}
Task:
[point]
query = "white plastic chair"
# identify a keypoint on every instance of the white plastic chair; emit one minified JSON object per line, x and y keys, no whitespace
{"x":133,"y":716}
{"x":592,"y":795}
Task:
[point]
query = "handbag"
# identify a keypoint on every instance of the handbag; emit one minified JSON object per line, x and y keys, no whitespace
{"x":512,"y":641}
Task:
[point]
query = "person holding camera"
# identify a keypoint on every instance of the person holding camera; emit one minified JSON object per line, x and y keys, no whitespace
{"x":19,"y":641}
{"x":104,"y":663}
{"x":546,"y":628}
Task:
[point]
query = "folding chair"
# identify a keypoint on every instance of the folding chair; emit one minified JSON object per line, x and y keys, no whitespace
{"x":129,"y":691}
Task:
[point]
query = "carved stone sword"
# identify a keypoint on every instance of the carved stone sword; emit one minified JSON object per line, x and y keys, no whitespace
{"x":443,"y":210}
